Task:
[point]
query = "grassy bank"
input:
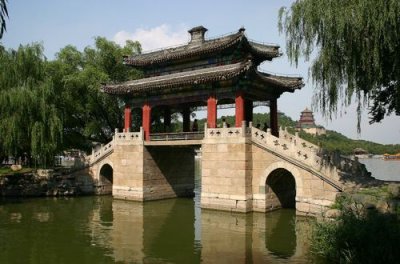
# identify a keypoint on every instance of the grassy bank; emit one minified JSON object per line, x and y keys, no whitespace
{"x":7,"y":171}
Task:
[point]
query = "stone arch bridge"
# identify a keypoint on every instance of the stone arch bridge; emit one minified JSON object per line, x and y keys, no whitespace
{"x":243,"y":169}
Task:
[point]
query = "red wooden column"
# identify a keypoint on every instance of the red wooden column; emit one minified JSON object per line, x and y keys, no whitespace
{"x":239,"y":108}
{"x":146,"y":121}
{"x":212,"y":112}
{"x":273,"y":113}
{"x":127,"y":118}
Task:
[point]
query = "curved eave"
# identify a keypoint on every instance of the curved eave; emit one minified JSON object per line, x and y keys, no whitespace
{"x":185,"y":51}
{"x":289,"y":84}
{"x":264,"y":52}
{"x":201,"y":76}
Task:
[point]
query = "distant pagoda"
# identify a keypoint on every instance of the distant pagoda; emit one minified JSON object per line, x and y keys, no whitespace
{"x":307,"y":123}
{"x":204,"y":72}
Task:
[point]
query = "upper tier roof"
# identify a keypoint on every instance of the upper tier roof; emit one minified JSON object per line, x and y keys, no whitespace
{"x":199,"y":46}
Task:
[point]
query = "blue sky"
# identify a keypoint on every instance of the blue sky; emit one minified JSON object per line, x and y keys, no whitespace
{"x":156,"y":24}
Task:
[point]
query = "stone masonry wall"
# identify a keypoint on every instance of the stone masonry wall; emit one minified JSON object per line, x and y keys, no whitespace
{"x":226,"y":174}
{"x":312,"y":193}
{"x":127,"y":164}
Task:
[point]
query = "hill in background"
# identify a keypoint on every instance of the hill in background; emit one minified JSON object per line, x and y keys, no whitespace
{"x":332,"y":141}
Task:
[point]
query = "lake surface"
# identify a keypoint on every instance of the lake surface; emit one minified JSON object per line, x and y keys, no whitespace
{"x":104,"y":230}
{"x":383,"y":169}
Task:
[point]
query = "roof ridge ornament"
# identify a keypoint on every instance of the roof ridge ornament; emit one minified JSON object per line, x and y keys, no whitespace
{"x":197,"y":35}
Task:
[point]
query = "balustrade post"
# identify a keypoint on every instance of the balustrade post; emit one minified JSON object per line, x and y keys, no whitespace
{"x":141,"y":133}
{"x":244,"y":128}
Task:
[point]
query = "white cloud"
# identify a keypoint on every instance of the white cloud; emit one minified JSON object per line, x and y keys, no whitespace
{"x":154,"y":38}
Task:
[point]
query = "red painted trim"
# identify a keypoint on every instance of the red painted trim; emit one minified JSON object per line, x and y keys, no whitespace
{"x":146,"y":121}
{"x":127,"y":117}
{"x":239,"y":108}
{"x":212,"y":112}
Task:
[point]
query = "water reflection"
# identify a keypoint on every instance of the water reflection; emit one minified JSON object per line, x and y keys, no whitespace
{"x":280,"y":235}
{"x":103,"y":230}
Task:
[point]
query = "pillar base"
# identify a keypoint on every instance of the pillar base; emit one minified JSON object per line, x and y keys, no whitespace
{"x":232,"y":203}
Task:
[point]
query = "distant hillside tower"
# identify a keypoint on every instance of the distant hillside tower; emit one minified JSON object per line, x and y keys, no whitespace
{"x":307,"y":123}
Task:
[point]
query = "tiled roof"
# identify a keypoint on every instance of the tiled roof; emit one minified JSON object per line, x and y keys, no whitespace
{"x":200,"y":76}
{"x":211,"y":74}
{"x":265,"y":52}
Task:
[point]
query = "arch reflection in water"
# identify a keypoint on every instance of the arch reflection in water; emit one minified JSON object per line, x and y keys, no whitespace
{"x":277,"y":237}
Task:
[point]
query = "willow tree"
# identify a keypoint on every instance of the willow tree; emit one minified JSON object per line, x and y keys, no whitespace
{"x":3,"y":16}
{"x":30,"y":123}
{"x":356,"y":45}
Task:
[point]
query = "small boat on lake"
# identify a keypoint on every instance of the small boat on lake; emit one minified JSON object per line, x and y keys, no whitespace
{"x":391,"y":156}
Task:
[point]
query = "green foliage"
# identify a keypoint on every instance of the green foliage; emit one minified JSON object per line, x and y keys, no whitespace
{"x":49,"y":106}
{"x":334,"y":141}
{"x":30,"y":123}
{"x":357,"y":51}
{"x":90,"y":115}
{"x":372,"y":237}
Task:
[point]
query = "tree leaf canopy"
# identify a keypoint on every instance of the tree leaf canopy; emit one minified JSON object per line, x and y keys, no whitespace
{"x":356,"y":44}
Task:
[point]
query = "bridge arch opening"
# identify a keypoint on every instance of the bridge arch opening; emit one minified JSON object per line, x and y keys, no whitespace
{"x":280,"y":189}
{"x":106,"y":178}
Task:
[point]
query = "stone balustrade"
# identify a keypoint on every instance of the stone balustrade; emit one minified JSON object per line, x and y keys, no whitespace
{"x":292,"y":146}
{"x":119,"y":138}
{"x":102,"y":151}
{"x":227,"y":132}
{"x":128,"y":137}
{"x":284,"y":134}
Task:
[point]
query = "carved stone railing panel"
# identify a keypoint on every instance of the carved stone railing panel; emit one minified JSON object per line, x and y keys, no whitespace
{"x":228,"y":132}
{"x":284,"y":134}
{"x":104,"y":150}
{"x":126,"y":137}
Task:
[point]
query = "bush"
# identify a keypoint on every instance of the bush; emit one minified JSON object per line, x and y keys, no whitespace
{"x":372,"y":237}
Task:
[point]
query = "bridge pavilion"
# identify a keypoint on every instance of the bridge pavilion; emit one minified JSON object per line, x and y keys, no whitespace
{"x":204,"y":72}
{"x":243,"y":168}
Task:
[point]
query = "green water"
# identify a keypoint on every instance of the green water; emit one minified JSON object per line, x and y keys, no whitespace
{"x":103,"y":230}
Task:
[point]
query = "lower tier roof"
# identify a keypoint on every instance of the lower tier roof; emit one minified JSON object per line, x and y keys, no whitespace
{"x":191,"y":78}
